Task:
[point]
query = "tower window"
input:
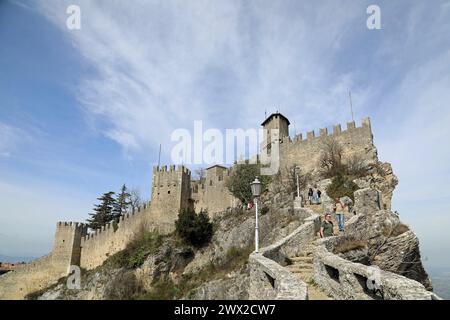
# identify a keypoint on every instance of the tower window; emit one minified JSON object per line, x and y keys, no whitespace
{"x":168,"y":192}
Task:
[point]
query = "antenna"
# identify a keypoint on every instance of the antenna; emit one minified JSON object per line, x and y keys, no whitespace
{"x":159,"y":155}
{"x":351,"y":104}
{"x":159,"y":165}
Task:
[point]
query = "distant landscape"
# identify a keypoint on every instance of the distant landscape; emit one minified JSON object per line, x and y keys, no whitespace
{"x":440,"y":278}
{"x":10,"y":259}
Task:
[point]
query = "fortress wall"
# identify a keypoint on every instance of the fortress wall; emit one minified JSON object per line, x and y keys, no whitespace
{"x":306,"y":152}
{"x":212,"y":194}
{"x":45,"y":271}
{"x":104,"y":242}
{"x":31,"y":277}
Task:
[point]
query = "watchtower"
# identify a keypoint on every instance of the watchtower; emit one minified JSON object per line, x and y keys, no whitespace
{"x":67,"y":244}
{"x":171,"y":192}
{"x":278,"y":124}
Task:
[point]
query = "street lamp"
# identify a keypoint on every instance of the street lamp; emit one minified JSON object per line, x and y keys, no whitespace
{"x":297,"y":169}
{"x":256,"y":192}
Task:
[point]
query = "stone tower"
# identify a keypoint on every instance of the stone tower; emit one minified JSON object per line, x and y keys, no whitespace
{"x":67,"y":244}
{"x":171,"y":192}
{"x":274,"y":121}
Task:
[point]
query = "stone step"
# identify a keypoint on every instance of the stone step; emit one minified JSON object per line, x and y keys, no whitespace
{"x":307,"y":259}
{"x":303,"y":272}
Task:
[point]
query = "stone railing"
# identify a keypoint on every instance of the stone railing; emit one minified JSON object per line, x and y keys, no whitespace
{"x":343,"y":279}
{"x":268,"y":278}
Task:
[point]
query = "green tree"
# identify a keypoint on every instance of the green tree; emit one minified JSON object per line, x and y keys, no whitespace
{"x":103,"y":212}
{"x":195,"y":229}
{"x":242,"y":175}
{"x":122,"y":203}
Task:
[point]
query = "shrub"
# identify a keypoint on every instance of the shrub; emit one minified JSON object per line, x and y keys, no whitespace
{"x":341,"y":186}
{"x":330,"y":161}
{"x":138,"y":250}
{"x":264,"y":210}
{"x":163,"y":289}
{"x":194,"y":229}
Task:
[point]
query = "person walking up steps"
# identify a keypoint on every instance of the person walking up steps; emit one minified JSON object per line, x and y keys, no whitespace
{"x":316,"y":195}
{"x":326,"y":229}
{"x":339,"y":210}
{"x":310,"y":195}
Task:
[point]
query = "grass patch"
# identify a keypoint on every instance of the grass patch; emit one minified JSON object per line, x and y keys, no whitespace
{"x":134,"y":255}
{"x":349,"y":245}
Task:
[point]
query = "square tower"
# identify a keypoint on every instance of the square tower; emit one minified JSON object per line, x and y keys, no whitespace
{"x":67,"y":244}
{"x":276,"y":121}
{"x":171,"y":193}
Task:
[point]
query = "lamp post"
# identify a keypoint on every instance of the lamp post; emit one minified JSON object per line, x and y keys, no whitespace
{"x":298,"y":185}
{"x":256,"y":192}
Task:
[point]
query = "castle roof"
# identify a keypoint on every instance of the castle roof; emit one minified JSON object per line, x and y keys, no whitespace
{"x":273,"y":115}
{"x":216,"y":165}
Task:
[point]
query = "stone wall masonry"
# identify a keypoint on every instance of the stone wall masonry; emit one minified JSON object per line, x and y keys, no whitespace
{"x":345,"y":280}
{"x":306,"y":152}
{"x":268,"y":278}
{"x":170,"y":192}
{"x":33,"y":276}
{"x":98,"y":246}
{"x":270,"y":281}
{"x":211,"y":194}
{"x":296,"y":241}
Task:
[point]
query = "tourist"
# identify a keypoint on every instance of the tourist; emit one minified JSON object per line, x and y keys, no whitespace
{"x":310,"y":195}
{"x":339,"y":210}
{"x":326,"y":229}
{"x":319,"y":194}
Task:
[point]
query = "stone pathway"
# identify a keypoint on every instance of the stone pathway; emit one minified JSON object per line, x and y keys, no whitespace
{"x":302,"y":266}
{"x":317,"y":208}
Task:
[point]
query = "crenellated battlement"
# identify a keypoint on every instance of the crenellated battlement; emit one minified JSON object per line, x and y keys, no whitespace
{"x":337,"y":131}
{"x":71,"y":224}
{"x":124,"y":219}
{"x":171,"y":168}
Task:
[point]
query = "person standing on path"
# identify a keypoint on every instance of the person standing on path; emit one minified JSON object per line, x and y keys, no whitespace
{"x":339,"y":210}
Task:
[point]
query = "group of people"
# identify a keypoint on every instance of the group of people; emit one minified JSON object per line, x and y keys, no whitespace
{"x":327,"y":226}
{"x":314,"y":195}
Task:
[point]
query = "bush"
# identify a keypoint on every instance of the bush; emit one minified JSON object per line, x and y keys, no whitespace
{"x":194,"y":229}
{"x":341,"y":186}
{"x":138,"y":250}
{"x":163,"y":289}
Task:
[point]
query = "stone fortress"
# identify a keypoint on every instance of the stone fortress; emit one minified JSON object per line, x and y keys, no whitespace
{"x":173,"y":189}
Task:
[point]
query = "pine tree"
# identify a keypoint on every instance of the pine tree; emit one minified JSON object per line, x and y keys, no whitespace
{"x":122,"y":204}
{"x":103,"y":212}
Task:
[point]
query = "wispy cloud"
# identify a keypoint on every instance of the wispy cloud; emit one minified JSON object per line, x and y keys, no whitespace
{"x":159,"y":65}
{"x":10,"y":139}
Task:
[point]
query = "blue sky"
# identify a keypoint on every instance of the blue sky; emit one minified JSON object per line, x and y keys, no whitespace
{"x":83,"y":111}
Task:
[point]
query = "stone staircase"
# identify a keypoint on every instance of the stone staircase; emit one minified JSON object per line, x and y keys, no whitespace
{"x":302,"y":267}
{"x":317,"y":208}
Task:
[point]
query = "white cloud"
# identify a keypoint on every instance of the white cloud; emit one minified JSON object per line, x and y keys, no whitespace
{"x":160,"y":65}
{"x":10,"y":139}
